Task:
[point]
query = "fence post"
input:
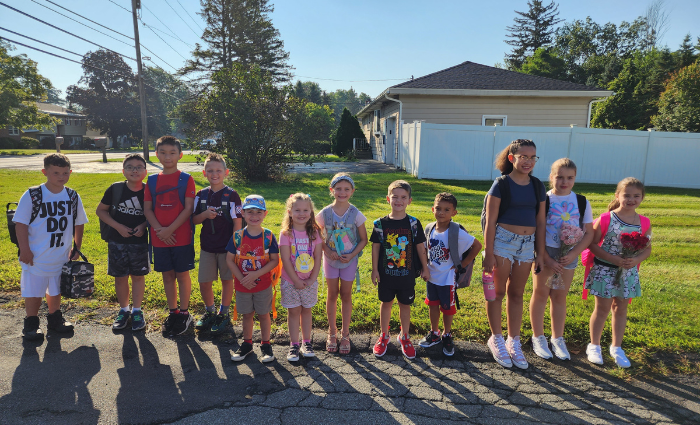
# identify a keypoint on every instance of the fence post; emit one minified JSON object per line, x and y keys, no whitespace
{"x":571,"y":135}
{"x":646,"y":156}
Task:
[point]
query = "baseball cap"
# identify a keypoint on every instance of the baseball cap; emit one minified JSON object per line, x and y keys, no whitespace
{"x":254,"y":201}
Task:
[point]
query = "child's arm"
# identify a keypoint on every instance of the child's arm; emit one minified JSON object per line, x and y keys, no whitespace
{"x":493,"y":203}
{"x":249,"y":280}
{"x":26,"y":255}
{"x":360,"y":245}
{"x":286,"y":253}
{"x":230,"y":262}
{"x":78,"y":239}
{"x":150,"y":215}
{"x":167,"y":233}
{"x":628,"y":263}
{"x":578,"y":249}
{"x":102,"y":213}
{"x":237,"y":224}
{"x":423,"y":256}
{"x":475,"y":250}
{"x":600,"y":252}
{"x":375,"y":262}
{"x":540,"y":235}
{"x":318,"y":258}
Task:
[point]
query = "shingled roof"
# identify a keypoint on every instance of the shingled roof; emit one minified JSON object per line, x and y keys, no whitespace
{"x":474,"y":76}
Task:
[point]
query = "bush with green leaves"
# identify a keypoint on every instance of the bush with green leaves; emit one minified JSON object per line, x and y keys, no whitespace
{"x":348,"y":129}
{"x":679,"y":105}
{"x":29,"y":143}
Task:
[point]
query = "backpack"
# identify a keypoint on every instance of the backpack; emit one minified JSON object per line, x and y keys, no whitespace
{"x":463,"y":275}
{"x":328,"y":225}
{"x":275,"y":273}
{"x":418,"y":267}
{"x":181,"y":187}
{"x":225,"y":204}
{"x":587,"y":257}
{"x":580,"y":200}
{"x":504,"y":188}
{"x":117,"y":190}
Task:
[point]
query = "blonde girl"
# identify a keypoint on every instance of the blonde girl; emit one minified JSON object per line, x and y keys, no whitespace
{"x":564,"y":207}
{"x":344,"y":237}
{"x":514,"y":230}
{"x":300,"y":252}
{"x":601,"y":282}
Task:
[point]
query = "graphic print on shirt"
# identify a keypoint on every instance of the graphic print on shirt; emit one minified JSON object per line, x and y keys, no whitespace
{"x":168,"y":200}
{"x":57,"y":214}
{"x":438,"y":252}
{"x":131,"y":207}
{"x":560,"y":213}
{"x":248,"y":264}
{"x":397,"y":260}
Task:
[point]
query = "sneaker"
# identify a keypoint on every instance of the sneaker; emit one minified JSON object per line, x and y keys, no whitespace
{"x":137,"y":321}
{"x":221,"y":322}
{"x":121,"y":320}
{"x":307,"y":350}
{"x":381,"y":345}
{"x":594,"y":354}
{"x":267,"y":355}
{"x":430,"y":339}
{"x":448,"y":347}
{"x":559,"y":347}
{"x":182,"y":323}
{"x":621,"y":359}
{"x":515,"y":350}
{"x":498,"y":350}
{"x":293,"y":353}
{"x":169,"y":323}
{"x":205,"y":321}
{"x":240,"y":354}
{"x":540,"y":346}
{"x":406,"y":347}
{"x":31,"y":331}
{"x":56,"y":322}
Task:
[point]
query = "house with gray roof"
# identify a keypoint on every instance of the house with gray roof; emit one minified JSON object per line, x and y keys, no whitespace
{"x":474,"y":94}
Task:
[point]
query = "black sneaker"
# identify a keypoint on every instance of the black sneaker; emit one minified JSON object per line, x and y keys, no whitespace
{"x":448,"y":347}
{"x":121,"y":320}
{"x":182,"y":323}
{"x":137,"y":321}
{"x":240,"y":354}
{"x":31,"y":331}
{"x":56,"y":322}
{"x":169,"y":323}
{"x":204,"y":323}
{"x":221,"y":322}
{"x":429,"y":340}
{"x":267,"y":355}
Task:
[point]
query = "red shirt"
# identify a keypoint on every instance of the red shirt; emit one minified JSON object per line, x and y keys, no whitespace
{"x":168,"y":206}
{"x":251,"y":256}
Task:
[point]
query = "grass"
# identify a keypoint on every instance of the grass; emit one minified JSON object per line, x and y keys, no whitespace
{"x":186,"y":158}
{"x":663,"y":325}
{"x":24,"y":152}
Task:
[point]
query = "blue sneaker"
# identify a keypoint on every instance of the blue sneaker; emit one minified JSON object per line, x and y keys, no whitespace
{"x":221,"y":322}
{"x":121,"y":320}
{"x":137,"y":321}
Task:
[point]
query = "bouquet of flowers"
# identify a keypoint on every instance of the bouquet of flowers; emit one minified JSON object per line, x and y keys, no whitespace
{"x":569,"y":236}
{"x":633,"y":244}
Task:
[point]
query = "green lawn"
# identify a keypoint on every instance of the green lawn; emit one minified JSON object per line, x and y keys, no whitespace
{"x":665,"y":319}
{"x":64,"y":151}
{"x":153,"y":160}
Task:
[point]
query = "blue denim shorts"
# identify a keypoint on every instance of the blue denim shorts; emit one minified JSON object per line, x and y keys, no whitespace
{"x":554,"y":253}
{"x":514,"y":247}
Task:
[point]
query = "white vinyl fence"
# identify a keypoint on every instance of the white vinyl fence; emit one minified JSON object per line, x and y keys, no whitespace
{"x":466,"y":152}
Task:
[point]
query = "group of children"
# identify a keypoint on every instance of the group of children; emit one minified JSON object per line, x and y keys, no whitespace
{"x":521,"y":236}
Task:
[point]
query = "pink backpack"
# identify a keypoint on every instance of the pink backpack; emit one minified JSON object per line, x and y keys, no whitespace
{"x":587,"y":256}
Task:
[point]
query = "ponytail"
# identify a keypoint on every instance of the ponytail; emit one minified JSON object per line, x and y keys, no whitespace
{"x":624,"y":183}
{"x":502,"y":162}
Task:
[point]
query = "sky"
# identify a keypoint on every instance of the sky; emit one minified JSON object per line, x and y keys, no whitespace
{"x":368,"y":45}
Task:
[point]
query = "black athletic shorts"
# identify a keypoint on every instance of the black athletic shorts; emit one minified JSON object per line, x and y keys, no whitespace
{"x":127,"y":259}
{"x":405,"y":295}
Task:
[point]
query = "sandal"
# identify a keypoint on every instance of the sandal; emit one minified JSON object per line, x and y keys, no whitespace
{"x":345,"y":348}
{"x":332,"y":347}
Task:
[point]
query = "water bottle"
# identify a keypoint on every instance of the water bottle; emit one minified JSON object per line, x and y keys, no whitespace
{"x":488,"y":285}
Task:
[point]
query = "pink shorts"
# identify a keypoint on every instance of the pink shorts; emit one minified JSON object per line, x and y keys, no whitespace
{"x":347,"y":274}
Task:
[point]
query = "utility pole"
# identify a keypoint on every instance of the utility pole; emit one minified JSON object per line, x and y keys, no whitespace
{"x":136,"y":4}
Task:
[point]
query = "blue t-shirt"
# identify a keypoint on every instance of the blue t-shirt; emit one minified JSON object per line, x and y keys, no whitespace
{"x":522,"y":203}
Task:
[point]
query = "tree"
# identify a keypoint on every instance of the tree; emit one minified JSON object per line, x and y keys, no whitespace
{"x":54,"y":96}
{"x":533,"y":29}
{"x":21,"y":86}
{"x":686,"y":56}
{"x":657,"y":23}
{"x":546,"y":63}
{"x":107,"y":94}
{"x":239,"y":31}
{"x":679,"y":105}
{"x":310,"y":91}
{"x":349,"y":128}
{"x":163,"y":98}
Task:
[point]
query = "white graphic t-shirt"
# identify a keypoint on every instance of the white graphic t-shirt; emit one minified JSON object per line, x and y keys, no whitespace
{"x":51,"y":232}
{"x":440,"y":261}
{"x":563,"y":209}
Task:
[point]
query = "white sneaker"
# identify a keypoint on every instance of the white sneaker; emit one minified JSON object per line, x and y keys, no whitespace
{"x":515,"y":350}
{"x":618,"y":354}
{"x":594,"y":353}
{"x":559,"y":348}
{"x":540,"y":346}
{"x":498,"y":350}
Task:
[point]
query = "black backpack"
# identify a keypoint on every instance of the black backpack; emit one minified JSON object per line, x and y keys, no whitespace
{"x":117,"y":190}
{"x":504,"y":188}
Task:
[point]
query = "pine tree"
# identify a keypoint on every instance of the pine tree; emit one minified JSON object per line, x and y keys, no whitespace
{"x":533,"y":29}
{"x":685,"y":53}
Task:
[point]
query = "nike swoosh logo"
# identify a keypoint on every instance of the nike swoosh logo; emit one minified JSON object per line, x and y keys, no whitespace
{"x":411,"y":297}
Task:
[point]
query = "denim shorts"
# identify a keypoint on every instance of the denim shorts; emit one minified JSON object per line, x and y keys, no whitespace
{"x":514,"y":247}
{"x":554,"y":253}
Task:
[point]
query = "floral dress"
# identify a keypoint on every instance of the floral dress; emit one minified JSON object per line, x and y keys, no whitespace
{"x":601,"y":281}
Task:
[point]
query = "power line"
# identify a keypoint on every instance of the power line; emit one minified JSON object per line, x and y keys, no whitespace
{"x":352,"y":81}
{"x":178,"y":15}
{"x":188,"y":14}
{"x":119,"y":5}
{"x":166,"y":26}
{"x":88,"y":19}
{"x":161,"y":38}
{"x":39,"y":41}
{"x":64,"y":31}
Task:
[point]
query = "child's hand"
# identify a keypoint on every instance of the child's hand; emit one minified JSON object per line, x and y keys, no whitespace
{"x":539,"y":264}
{"x":300,"y":284}
{"x":75,"y":256}
{"x":344,"y":258}
{"x":249,"y":281}
{"x":124,"y":231}
{"x":628,"y":263}
{"x":489,"y":263}
{"x":308,"y":282}
{"x":209,"y":213}
{"x":567,"y":259}
{"x":140,"y":230}
{"x":553,"y":264}
{"x":26,"y":257}
{"x":425,"y":274}
{"x":330,"y":253}
{"x":375,"y":277}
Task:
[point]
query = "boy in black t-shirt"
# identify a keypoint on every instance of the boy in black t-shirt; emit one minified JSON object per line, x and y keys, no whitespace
{"x":397,"y":245}
{"x":127,"y":243}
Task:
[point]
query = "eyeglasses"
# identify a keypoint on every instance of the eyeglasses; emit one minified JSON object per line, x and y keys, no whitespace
{"x":130,"y":168}
{"x":524,"y":158}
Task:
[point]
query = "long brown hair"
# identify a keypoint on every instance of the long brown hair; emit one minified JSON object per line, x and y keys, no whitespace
{"x":311,"y":226}
{"x":560,"y":163}
{"x":624,"y":183}
{"x":502,"y":162}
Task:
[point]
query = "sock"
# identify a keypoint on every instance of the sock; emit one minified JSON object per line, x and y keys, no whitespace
{"x":437,"y":332}
{"x":306,"y":340}
{"x":126,"y":309}
{"x":135,"y":309}
{"x":210,"y":308}
{"x":223,"y":309}
{"x":174,"y":310}
{"x":447,"y":334}
{"x":184,"y":311}
{"x":265,"y":342}
{"x":249,"y":341}
{"x":295,"y":344}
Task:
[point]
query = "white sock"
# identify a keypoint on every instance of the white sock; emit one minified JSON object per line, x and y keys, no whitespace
{"x":135,"y":309}
{"x":126,"y":309}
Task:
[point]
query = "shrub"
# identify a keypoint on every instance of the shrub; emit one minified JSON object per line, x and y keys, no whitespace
{"x":8,"y":143}
{"x":29,"y":143}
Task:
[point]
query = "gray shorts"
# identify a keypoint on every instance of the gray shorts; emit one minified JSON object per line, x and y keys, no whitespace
{"x":212,"y":265}
{"x":127,"y":259}
{"x":258,"y":302}
{"x":554,"y":253}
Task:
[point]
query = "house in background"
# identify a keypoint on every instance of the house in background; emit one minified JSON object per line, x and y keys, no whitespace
{"x":11,"y":132}
{"x":474,"y":94}
{"x":72,"y":126}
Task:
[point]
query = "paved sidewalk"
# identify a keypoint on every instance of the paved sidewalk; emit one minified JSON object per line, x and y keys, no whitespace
{"x":98,"y":376}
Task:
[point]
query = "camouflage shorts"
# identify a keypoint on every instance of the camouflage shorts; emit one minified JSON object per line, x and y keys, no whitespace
{"x":127,"y":259}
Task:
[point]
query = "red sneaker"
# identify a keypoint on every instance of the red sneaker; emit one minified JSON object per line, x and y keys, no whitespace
{"x":406,"y":347}
{"x":381,"y":345}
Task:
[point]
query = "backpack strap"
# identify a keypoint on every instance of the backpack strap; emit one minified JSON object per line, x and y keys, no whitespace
{"x":453,"y":244}
{"x":547,"y":203}
{"x":414,"y":228}
{"x":226,"y":203}
{"x":117,"y":191}
{"x":152,"y":183}
{"x":581,"y":201}
{"x":604,"y":224}
{"x":267,"y":239}
{"x":378,"y":229}
{"x":537,"y":184}
{"x":182,"y":186}
{"x":504,"y":188}
{"x":204,"y":199}
{"x":36,"y":196}
{"x":645,"y":222}
{"x":73,"y":196}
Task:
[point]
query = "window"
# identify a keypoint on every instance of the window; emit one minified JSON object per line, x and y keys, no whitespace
{"x":13,"y":131}
{"x":494,"y":120}
{"x":377,"y":116}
